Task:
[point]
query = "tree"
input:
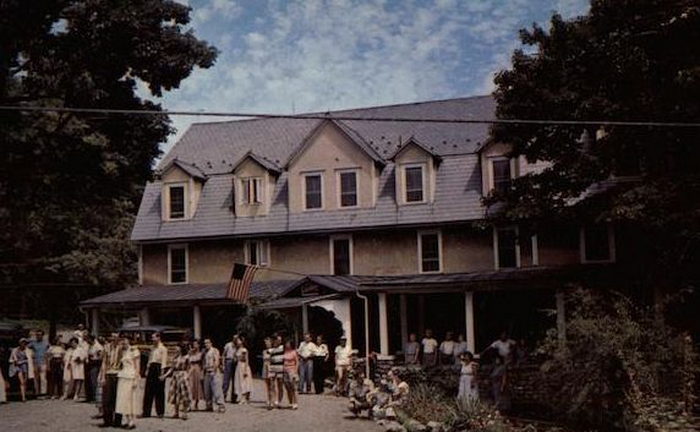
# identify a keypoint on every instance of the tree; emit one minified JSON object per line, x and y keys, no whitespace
{"x":70,"y":183}
{"x":626,"y":60}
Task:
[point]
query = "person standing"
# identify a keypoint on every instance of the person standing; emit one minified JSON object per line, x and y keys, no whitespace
{"x":196,"y":360}
{"x":40,"y":347}
{"x":127,"y":381}
{"x":229,"y":354}
{"x":412,"y":350}
{"x":19,"y":365}
{"x":468,"y":384}
{"x":430,"y":347}
{"x":320,"y":360}
{"x":155,"y":387}
{"x":213,"y":390}
{"x":343,"y":363}
{"x":307,"y":350}
{"x":503,"y":346}
{"x":291,"y":376}
{"x":179,"y":394}
{"x":460,"y":348}
{"x":55,"y":355}
{"x":499,"y":384}
{"x":111,"y":365}
{"x":447,"y":350}
{"x":266,"y":374}
{"x":94,"y":362}
{"x":68,"y":385}
{"x":78,"y":360}
{"x":276,"y":369}
{"x":243,"y":383}
{"x":3,"y":390}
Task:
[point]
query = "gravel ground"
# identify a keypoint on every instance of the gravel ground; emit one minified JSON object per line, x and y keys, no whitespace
{"x":315,"y":413}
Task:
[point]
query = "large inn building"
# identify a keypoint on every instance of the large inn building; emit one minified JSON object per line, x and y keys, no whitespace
{"x":352,"y":218}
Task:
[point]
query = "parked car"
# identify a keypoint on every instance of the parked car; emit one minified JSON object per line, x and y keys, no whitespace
{"x":171,"y":337}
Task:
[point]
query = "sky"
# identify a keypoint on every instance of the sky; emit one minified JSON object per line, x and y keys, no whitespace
{"x":296,"y":56}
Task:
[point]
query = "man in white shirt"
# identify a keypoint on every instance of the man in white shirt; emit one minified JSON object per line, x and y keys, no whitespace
{"x":307,"y":350}
{"x":155,"y":387}
{"x":343,"y":362}
{"x":504,"y":346}
{"x":230,"y":366}
{"x":320,"y":358}
{"x":430,"y":346}
{"x":447,"y":349}
{"x":213,"y":390}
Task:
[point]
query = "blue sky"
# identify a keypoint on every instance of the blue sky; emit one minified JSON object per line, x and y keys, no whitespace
{"x":298,"y":56}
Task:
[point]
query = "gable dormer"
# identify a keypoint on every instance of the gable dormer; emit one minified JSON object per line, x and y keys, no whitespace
{"x":254,"y":180}
{"x":182,"y":185}
{"x":415,"y":173}
{"x":333,"y":169}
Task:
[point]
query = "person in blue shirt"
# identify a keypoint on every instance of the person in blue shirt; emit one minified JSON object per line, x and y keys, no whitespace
{"x":39,"y":347}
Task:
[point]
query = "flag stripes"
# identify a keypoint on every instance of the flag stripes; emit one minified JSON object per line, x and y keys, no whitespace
{"x":241,"y":279}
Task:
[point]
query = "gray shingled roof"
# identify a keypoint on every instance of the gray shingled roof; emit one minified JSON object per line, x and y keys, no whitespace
{"x":216,"y":147}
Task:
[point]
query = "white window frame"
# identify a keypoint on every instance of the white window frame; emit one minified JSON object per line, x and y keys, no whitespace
{"x":496,"y":260}
{"x":262,"y":244}
{"x":491,"y":179}
{"x":184,"y":246}
{"x":424,"y":180}
{"x":420,"y":235}
{"x":331,"y":249}
{"x":303,"y":190}
{"x":185,"y":198}
{"x":611,"y":246}
{"x":338,"y":174}
{"x":247,"y":186}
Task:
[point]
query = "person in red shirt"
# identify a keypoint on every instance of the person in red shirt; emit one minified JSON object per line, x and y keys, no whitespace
{"x":291,"y":373}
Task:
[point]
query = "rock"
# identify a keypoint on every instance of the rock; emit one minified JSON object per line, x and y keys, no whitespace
{"x":392,"y":426}
{"x":381,"y":422}
{"x":415,"y":426}
{"x":434,"y":426}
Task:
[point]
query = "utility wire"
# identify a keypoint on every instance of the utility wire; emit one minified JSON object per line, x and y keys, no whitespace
{"x":330,"y":115}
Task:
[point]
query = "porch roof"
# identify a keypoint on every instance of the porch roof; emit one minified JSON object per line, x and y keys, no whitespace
{"x":185,"y":294}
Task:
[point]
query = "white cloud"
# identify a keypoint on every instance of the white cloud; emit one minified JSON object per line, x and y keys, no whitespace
{"x":221,"y":9}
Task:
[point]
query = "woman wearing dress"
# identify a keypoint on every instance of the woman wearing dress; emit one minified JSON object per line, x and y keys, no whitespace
{"x":19,"y":365}
{"x":291,"y":375}
{"x":243,"y":383}
{"x":127,"y":381}
{"x":78,"y":367}
{"x":179,"y":394}
{"x":55,"y":355}
{"x":68,"y":370}
{"x":468,"y":385}
{"x":195,"y":374}
{"x":267,"y":375}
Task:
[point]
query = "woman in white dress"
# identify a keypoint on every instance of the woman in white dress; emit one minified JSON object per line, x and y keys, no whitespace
{"x":468,"y":385}
{"x":243,"y":383}
{"x":127,"y":381}
{"x":78,"y":367}
{"x":68,"y":370}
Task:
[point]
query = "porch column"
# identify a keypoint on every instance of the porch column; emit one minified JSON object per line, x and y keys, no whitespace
{"x":305,"y":318}
{"x":95,"y":321}
{"x":144,"y":317}
{"x":421,"y":316}
{"x":197,"y":322}
{"x":383,"y":325}
{"x":403,"y":311}
{"x":469,"y":321}
{"x":561,"y":315}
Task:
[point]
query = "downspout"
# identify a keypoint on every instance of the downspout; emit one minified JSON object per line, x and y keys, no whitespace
{"x":366,"y":300}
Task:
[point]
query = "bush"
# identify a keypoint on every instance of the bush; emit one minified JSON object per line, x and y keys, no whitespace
{"x":427,"y":402}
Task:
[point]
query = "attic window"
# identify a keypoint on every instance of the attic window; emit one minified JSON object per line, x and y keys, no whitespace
{"x":252,"y":190}
{"x":176,"y":201}
{"x":313,"y":191}
{"x":501,"y":174}
{"x":413,"y":175}
{"x":348,"y":188}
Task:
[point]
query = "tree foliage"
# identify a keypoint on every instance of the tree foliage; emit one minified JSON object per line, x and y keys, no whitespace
{"x":70,"y":183}
{"x":626,"y":60}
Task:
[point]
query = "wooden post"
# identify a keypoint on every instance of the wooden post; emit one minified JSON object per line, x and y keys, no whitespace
{"x":304,"y":318}
{"x":561,"y":315}
{"x":197,"y":321}
{"x":469,"y":321}
{"x":421,"y":316}
{"x":95,"y":321}
{"x":383,"y":325}
{"x":403,"y":311}
{"x":144,"y":317}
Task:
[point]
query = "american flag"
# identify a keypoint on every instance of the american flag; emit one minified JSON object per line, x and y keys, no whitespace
{"x":241,"y":279}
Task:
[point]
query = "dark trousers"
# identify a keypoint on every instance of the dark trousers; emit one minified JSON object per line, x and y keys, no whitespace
{"x":155,"y":389}
{"x":92,"y":370}
{"x":319,"y":374}
{"x":109,"y":400}
{"x":55,"y":378}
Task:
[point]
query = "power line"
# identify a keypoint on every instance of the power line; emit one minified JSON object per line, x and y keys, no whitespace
{"x":330,"y":115}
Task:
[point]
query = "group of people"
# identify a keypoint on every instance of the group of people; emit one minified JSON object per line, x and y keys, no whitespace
{"x":379,"y":401}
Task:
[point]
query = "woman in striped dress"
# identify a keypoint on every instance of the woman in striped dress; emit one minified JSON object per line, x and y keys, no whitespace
{"x":196,"y":375}
{"x":179,"y":394}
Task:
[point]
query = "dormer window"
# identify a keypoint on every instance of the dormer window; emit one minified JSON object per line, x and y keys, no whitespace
{"x":313,"y":191}
{"x":501,"y":174}
{"x":177,"y":197}
{"x":414,"y":183}
{"x":252,"y":188}
{"x":348,"y":188}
